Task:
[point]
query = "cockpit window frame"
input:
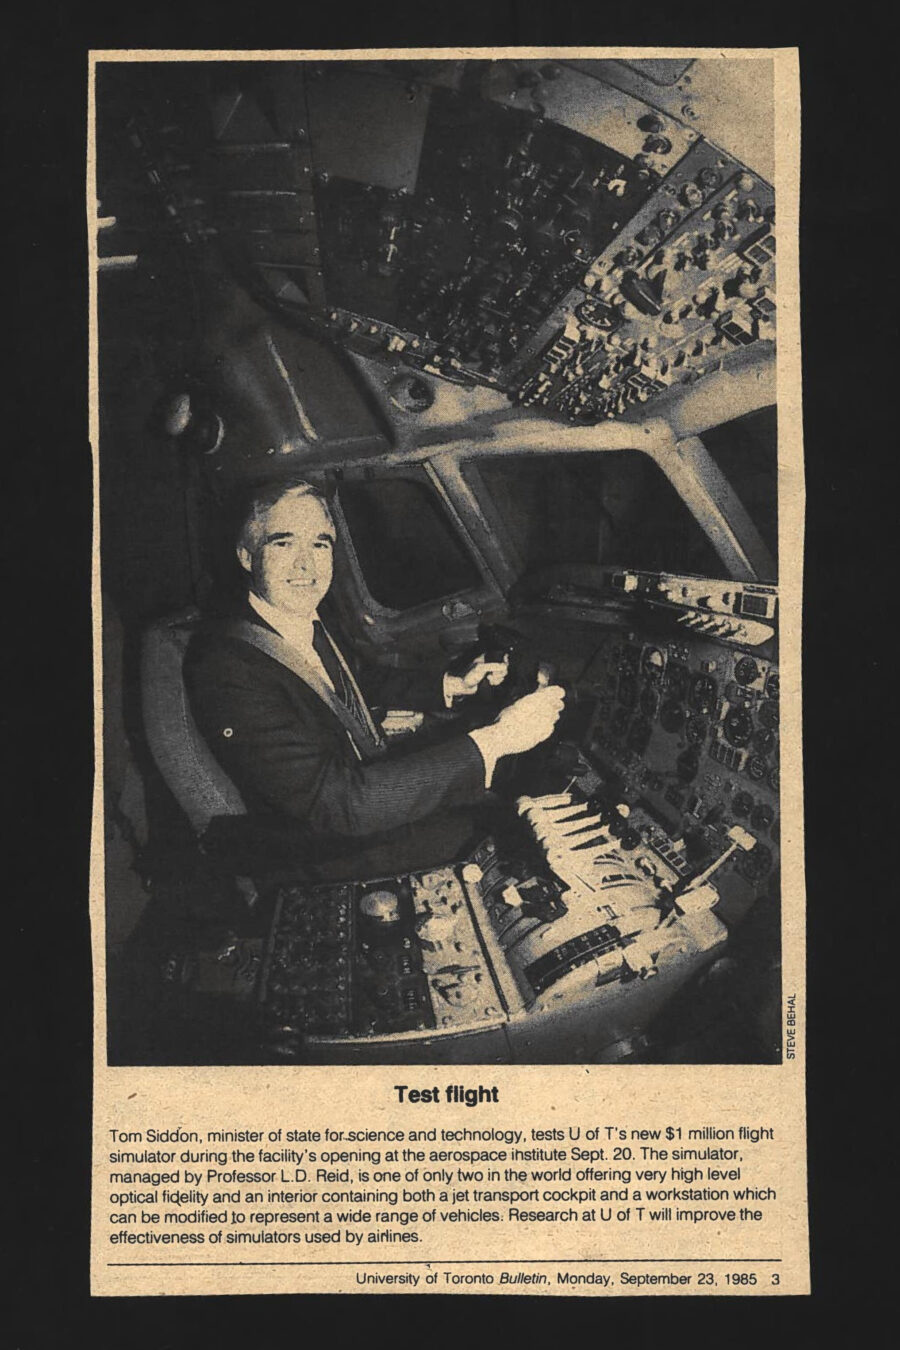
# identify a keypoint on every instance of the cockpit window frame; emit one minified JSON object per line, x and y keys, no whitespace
{"x":474,"y":601}
{"x":688,"y":466}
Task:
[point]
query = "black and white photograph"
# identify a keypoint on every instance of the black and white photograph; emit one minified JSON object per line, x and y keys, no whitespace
{"x":438,"y":528}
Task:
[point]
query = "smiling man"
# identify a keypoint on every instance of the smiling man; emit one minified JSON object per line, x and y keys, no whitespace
{"x":277,"y":702}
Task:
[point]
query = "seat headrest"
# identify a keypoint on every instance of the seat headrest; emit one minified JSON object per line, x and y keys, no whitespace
{"x":193,"y":775}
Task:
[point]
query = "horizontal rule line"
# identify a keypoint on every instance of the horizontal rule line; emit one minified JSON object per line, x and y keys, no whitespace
{"x":512,"y":1261}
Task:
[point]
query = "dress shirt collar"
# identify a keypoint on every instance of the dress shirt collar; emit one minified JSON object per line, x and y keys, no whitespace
{"x":297,"y":631}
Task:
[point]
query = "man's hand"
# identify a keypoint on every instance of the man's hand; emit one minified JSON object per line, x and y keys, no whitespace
{"x":520,"y":726}
{"x":530,"y":720}
{"x":463,"y":686}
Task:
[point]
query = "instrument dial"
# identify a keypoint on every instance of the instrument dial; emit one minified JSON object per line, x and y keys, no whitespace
{"x":687,"y":765}
{"x":676,"y":679}
{"x":756,"y":767}
{"x":620,"y":722}
{"x":746,"y":670}
{"x":762,"y":816}
{"x":628,"y":691}
{"x":704,"y":692}
{"x":672,"y":716}
{"x":763,"y":740}
{"x":639,"y":735}
{"x":769,"y":713}
{"x":629,"y":659}
{"x":649,"y":702}
{"x":697,"y":728}
{"x":738,"y":726}
{"x":755,"y":863}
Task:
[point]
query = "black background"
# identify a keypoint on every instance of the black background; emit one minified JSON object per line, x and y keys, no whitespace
{"x":847,"y":274}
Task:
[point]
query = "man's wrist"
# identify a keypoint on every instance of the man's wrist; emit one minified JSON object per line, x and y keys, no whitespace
{"x":487,"y":742}
{"x":452,"y":689}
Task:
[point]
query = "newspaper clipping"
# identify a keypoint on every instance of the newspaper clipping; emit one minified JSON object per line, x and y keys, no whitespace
{"x":447,"y":896}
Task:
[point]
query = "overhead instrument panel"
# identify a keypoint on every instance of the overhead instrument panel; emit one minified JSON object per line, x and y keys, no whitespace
{"x":507,"y":212}
{"x":564,"y":235}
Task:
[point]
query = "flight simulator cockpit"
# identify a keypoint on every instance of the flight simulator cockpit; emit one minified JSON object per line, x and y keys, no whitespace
{"x":514,"y":320}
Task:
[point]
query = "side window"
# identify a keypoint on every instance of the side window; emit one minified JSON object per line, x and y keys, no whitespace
{"x":614,"y":507}
{"x":746,"y":450}
{"x":407,"y":547}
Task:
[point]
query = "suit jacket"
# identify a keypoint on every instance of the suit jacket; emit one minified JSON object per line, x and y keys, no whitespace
{"x":291,"y":759}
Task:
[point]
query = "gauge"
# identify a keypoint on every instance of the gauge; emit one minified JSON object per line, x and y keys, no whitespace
{"x":763,"y":740}
{"x":738,"y":695}
{"x":629,"y":658}
{"x":738,"y":726}
{"x":697,"y":728}
{"x":676,"y":678}
{"x":741,"y":803}
{"x":704,"y":692}
{"x":653,"y":663}
{"x":769,"y":714}
{"x":755,"y":862}
{"x":762,"y":816}
{"x":687,"y":764}
{"x":774,"y":777}
{"x":746,"y":670}
{"x":772,"y":684}
{"x":756,"y":767}
{"x":672,"y":715}
{"x":649,"y":702}
{"x":639,"y":735}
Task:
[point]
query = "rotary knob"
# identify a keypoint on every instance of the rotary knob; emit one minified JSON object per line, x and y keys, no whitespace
{"x":649,"y":236}
{"x":651,"y":122}
{"x":381,"y":906}
{"x":691,"y":195}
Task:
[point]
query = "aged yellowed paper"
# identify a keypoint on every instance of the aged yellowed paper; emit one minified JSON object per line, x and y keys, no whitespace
{"x":447,"y":865}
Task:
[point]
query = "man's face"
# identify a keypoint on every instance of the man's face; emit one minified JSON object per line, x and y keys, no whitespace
{"x":292,"y":560}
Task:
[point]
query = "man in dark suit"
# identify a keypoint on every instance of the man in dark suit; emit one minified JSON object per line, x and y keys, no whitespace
{"x":276,"y":701}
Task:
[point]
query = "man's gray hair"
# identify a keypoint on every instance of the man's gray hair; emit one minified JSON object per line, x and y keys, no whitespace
{"x":265,"y":497}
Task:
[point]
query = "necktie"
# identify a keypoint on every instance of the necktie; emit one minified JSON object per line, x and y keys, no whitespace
{"x":342,"y":686}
